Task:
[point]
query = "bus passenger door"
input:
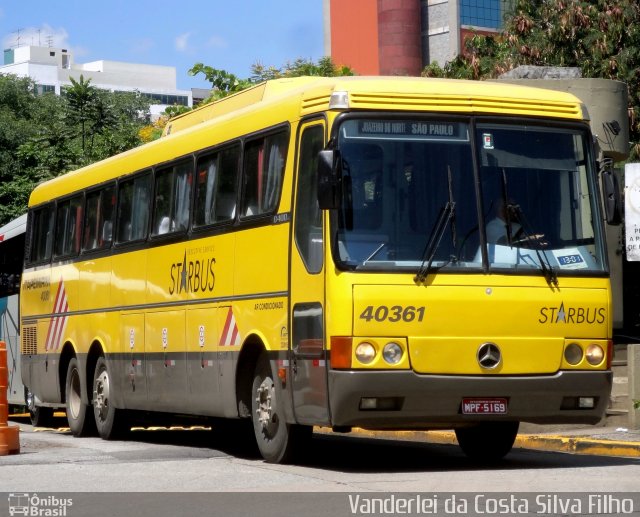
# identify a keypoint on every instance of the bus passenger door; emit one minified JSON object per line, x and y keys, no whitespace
{"x":308,"y":351}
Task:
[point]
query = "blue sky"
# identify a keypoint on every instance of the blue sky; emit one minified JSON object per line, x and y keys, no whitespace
{"x":230,"y":35}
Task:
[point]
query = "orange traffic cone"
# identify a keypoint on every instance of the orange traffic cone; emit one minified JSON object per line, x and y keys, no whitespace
{"x":9,"y":434}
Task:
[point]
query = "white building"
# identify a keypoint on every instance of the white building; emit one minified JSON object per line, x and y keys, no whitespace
{"x":52,"y":68}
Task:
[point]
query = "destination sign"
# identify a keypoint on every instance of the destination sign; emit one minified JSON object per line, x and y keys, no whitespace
{"x":413,"y":130}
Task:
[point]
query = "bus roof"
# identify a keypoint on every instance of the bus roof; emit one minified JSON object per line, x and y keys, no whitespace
{"x":13,"y":228}
{"x":417,"y":92}
{"x":283,"y":100}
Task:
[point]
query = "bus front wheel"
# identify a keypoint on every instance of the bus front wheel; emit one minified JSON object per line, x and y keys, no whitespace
{"x":487,"y":441}
{"x":277,"y":440}
{"x":78,"y":414}
{"x":109,"y":419}
{"x":40,"y":416}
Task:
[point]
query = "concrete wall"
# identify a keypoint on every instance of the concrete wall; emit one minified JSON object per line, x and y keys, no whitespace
{"x":354,"y":34}
{"x":439,"y":31}
{"x":633,"y":365}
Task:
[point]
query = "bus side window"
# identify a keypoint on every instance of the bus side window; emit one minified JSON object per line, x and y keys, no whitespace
{"x":263,"y":172}
{"x":216,"y":187}
{"x":206,"y":179}
{"x":227,"y":184}
{"x":41,"y":239}
{"x":133,"y":208}
{"x":172,"y":203}
{"x":68,"y":227}
{"x":99,"y":219}
{"x":308,"y":216}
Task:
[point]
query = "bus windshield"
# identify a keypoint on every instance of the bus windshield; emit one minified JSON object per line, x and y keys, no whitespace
{"x":413,"y":191}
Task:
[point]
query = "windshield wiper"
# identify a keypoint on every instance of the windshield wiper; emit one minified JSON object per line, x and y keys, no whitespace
{"x":514,"y":213}
{"x":447,"y":216}
{"x":548,"y":271}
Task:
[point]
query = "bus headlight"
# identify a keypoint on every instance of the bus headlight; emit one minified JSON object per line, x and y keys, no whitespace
{"x":573,"y":353}
{"x":365,"y":352}
{"x":594,"y":354}
{"x":392,"y":353}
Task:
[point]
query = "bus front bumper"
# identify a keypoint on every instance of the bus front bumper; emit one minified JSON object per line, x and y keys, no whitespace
{"x":406,"y":400}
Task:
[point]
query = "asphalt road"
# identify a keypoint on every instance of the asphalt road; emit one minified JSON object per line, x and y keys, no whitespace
{"x":161,"y":471}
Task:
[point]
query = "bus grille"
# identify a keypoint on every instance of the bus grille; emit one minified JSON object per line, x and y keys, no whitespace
{"x":29,"y":345}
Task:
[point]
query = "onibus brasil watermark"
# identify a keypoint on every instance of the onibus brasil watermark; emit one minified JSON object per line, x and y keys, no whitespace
{"x":34,"y":505}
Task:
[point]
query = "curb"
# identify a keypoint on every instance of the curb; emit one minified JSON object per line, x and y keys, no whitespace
{"x":539,"y":442}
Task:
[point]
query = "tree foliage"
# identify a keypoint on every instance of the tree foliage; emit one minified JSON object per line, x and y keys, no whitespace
{"x":602,"y":37}
{"x":225,"y":83}
{"x":43,"y":136}
{"x":325,"y":67}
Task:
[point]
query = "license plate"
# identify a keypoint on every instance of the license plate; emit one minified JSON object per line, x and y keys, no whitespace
{"x":486,"y":406}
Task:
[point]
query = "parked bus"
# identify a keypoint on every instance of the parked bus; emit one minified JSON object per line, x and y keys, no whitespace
{"x":11,"y":261}
{"x":386,"y":253}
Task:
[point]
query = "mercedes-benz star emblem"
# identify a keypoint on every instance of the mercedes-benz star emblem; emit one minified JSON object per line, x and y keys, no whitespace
{"x":489,"y":356}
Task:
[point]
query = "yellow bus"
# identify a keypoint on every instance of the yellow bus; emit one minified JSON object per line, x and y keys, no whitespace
{"x":382,"y":253}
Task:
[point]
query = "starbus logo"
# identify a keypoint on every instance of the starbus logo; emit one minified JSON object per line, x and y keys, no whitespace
{"x":35,"y":506}
{"x":192,"y":276}
{"x":575,"y":315}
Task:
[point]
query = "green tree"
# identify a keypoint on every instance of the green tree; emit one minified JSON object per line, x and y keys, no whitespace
{"x":602,"y":37}
{"x":22,"y":115}
{"x":43,"y":136}
{"x":222,"y":82}
{"x":325,"y":67}
{"x":82,"y":99}
{"x":225,"y":83}
{"x":119,"y":118}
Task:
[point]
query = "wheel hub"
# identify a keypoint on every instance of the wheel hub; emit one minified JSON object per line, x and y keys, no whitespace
{"x":265,"y":405}
{"x":101,"y":395}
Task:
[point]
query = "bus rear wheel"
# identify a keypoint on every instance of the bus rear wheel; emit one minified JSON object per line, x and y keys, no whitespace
{"x":109,"y":420}
{"x":278,"y":441}
{"x":79,"y":415}
{"x":487,"y":441}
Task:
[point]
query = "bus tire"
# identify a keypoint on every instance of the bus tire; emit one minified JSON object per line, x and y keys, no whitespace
{"x":487,"y":441}
{"x":109,"y":419}
{"x":278,"y":441}
{"x":79,"y":415}
{"x":40,"y":416}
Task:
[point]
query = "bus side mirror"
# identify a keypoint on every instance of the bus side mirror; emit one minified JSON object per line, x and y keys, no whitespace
{"x":329,"y":179}
{"x":610,"y":193}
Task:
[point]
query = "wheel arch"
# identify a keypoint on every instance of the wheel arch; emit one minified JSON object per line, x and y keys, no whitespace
{"x":252,"y":347}
{"x":67,"y":353}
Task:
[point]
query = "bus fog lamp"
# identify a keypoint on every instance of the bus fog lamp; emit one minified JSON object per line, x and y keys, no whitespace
{"x":392,"y":353}
{"x":368,"y":403}
{"x":586,"y":402}
{"x":595,"y":354}
{"x":365,"y":352}
{"x":573,"y":353}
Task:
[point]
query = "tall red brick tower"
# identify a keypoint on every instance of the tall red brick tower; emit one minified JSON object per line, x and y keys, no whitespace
{"x":399,"y":37}
{"x":376,"y":37}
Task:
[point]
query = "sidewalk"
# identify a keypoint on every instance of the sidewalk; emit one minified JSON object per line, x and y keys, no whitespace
{"x":593,"y":440}
{"x":577,"y":439}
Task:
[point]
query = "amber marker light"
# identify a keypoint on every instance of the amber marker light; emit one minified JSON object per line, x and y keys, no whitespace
{"x":341,"y":352}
